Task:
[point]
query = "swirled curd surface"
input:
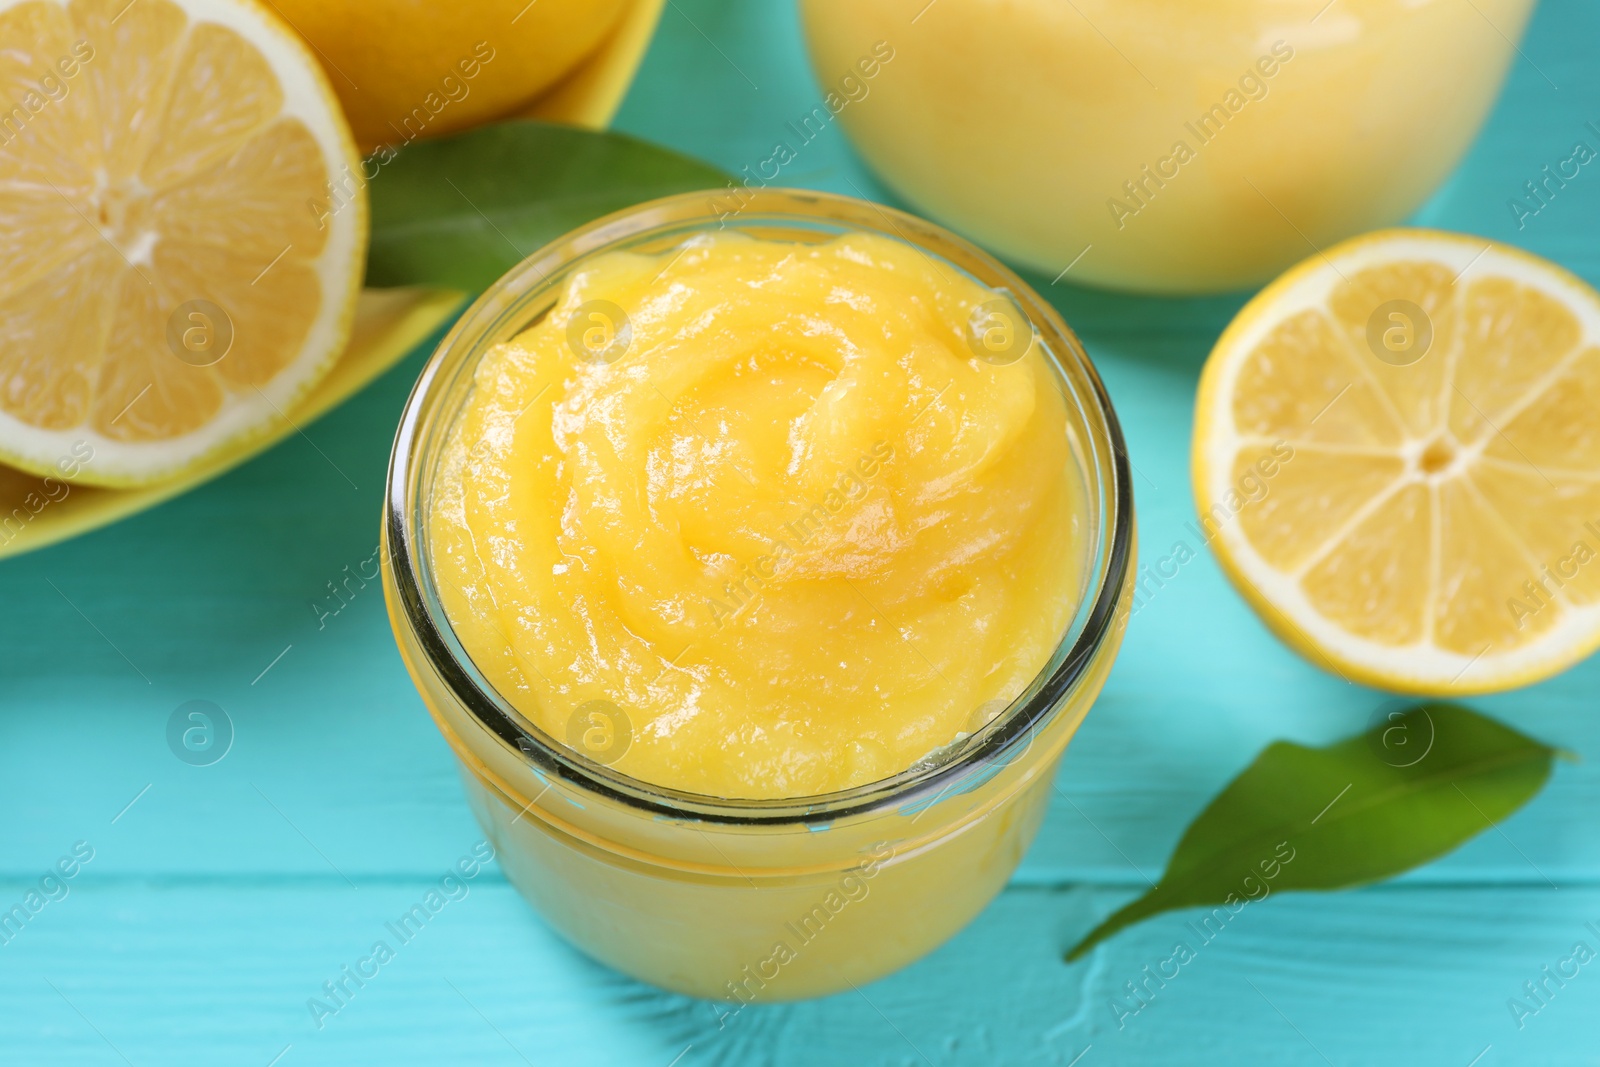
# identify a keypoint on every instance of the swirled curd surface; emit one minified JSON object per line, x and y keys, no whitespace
{"x":773,"y":531}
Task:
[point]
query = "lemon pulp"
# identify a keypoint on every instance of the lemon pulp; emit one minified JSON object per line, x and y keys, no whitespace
{"x":172,"y":285}
{"x":1437,"y":526}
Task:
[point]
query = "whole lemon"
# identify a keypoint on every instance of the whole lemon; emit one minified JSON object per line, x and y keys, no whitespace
{"x":407,"y":69}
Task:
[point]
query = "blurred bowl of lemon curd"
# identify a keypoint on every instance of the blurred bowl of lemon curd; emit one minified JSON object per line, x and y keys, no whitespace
{"x":1162,"y":145}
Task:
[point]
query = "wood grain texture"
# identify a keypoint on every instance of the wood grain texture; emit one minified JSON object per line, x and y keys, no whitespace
{"x":226,"y":895}
{"x":221,"y":970}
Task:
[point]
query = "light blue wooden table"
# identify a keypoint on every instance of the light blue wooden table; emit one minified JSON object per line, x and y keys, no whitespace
{"x":220,"y":898}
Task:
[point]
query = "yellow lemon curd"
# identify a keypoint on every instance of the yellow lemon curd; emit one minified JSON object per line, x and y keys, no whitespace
{"x":1159,"y":145}
{"x":796,"y":516}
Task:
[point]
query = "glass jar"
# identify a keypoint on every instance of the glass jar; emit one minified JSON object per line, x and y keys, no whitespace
{"x":1160,"y":145}
{"x":748,"y":900}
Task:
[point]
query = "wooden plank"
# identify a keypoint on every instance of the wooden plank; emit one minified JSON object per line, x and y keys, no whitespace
{"x":221,"y":972}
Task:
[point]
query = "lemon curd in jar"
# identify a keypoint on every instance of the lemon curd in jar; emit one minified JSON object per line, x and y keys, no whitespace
{"x":758,"y":570}
{"x":758,"y":519}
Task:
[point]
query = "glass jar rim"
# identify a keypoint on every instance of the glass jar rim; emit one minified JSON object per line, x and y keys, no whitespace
{"x":503,"y":309}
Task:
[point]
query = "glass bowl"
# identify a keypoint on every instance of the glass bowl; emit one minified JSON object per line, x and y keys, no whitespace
{"x":735,"y":899}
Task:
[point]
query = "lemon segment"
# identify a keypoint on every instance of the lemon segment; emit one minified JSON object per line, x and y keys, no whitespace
{"x":388,"y":324}
{"x":179,"y":278}
{"x":1436,"y":527}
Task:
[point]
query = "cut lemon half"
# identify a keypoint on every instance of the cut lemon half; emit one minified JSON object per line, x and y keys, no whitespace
{"x":1397,"y":462}
{"x":183,"y":245}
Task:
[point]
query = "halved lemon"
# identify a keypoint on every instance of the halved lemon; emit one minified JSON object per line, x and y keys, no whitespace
{"x":183,"y":240}
{"x":1397,"y":461}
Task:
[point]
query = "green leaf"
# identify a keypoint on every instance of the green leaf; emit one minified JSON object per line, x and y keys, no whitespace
{"x":1415,"y":786}
{"x":463,"y":210}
